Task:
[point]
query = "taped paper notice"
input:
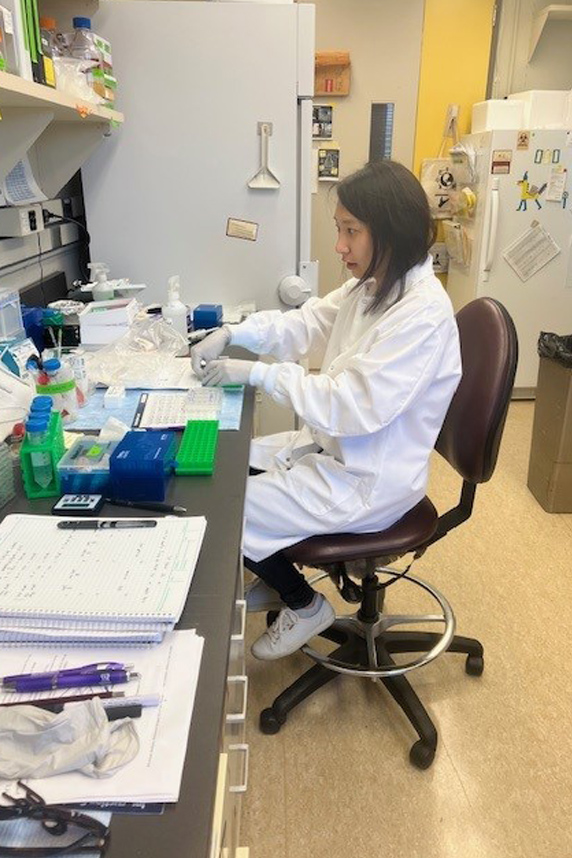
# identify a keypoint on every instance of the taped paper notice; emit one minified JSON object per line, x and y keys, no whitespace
{"x":20,"y":186}
{"x":244,"y":229}
{"x":531,"y":252}
{"x":556,"y":184}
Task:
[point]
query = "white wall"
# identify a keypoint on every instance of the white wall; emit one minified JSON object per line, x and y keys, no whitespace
{"x":384,"y":41}
{"x":551,"y":65}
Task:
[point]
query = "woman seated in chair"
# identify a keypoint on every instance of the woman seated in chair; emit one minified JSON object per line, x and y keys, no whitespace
{"x":370,"y":417}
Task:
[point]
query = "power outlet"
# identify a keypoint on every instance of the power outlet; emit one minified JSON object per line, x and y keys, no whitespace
{"x":21,"y":221}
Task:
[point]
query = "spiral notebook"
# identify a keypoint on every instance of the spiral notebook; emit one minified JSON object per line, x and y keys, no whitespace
{"x":128,"y":585}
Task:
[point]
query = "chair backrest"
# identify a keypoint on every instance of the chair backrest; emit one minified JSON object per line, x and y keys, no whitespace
{"x":472,"y":431}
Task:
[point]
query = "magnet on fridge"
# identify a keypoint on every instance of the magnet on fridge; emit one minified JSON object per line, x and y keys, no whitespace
{"x":538,"y":156}
{"x":547,"y":156}
{"x":556,"y":156}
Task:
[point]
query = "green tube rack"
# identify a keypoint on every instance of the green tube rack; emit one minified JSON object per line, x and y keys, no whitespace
{"x":55,"y":447}
{"x":197,"y":451}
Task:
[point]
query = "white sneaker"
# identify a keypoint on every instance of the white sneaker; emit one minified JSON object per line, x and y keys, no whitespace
{"x":260,"y":597}
{"x":290,"y":631}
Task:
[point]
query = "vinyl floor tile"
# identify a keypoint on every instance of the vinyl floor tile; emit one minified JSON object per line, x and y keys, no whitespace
{"x":336,"y":780}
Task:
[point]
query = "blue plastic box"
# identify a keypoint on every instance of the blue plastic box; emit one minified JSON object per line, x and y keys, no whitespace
{"x":141,"y":465}
{"x":84,"y":469}
{"x":207,"y":316}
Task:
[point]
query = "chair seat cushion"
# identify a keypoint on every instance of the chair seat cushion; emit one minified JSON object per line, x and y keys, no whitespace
{"x":410,"y":532}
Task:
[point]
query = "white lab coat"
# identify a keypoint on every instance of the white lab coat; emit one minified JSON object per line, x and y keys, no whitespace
{"x":371,"y":417}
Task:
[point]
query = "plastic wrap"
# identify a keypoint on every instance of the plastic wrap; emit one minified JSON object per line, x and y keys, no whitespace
{"x":557,"y":347}
{"x":145,"y":357}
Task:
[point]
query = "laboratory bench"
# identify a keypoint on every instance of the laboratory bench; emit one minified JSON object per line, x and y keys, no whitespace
{"x":205,"y":822}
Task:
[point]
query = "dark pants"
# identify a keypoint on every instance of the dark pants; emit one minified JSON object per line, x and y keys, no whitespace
{"x":282,"y":576}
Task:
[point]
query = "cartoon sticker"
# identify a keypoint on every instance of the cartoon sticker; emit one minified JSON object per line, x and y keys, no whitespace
{"x":529,"y":192}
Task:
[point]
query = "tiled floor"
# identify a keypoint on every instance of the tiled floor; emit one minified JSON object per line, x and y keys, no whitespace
{"x":336,"y":780}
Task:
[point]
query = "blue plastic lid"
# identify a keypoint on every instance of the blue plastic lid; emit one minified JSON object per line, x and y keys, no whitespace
{"x":83,"y":23}
{"x":41,"y":403}
{"x":36,"y":424}
{"x":52,"y":365}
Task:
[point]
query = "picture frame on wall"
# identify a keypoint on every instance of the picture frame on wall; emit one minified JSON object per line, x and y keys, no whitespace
{"x":328,"y":165}
{"x":322,"y":121}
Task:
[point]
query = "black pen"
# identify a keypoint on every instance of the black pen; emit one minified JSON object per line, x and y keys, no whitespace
{"x":154,"y":507}
{"x":120,"y":524}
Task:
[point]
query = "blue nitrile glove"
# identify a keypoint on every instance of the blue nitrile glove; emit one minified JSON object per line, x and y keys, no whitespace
{"x":209,"y":349}
{"x":227,"y":371}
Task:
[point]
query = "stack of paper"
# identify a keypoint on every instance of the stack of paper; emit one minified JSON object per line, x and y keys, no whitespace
{"x":103,"y":586}
{"x":170,"y":670}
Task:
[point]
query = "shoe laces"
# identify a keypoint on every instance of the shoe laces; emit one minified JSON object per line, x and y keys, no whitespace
{"x":284,"y":622}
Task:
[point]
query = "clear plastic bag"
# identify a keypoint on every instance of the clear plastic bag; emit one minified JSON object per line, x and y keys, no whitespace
{"x":145,"y":357}
{"x":556,"y":346}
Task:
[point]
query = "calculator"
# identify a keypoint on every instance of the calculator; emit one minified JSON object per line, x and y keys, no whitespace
{"x":78,"y":505}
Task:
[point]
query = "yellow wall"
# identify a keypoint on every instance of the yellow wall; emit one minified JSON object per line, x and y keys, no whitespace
{"x":454,"y":66}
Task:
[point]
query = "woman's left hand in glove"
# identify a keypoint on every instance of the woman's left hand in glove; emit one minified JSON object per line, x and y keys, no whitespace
{"x":226,"y":371}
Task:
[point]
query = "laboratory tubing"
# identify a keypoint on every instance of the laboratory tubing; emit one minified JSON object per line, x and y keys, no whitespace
{"x":36,"y":434}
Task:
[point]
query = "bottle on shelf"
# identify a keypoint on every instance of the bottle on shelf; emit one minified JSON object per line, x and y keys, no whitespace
{"x":83,"y":47}
{"x":55,"y":40}
{"x":47,"y":52}
{"x":175,"y":312}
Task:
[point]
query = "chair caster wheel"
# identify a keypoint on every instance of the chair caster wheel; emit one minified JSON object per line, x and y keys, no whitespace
{"x":269,"y":723}
{"x":474,"y":665}
{"x":421,"y":755}
{"x":270,"y":617}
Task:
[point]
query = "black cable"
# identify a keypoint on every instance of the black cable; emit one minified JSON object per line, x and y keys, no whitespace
{"x":50,"y":216}
{"x":40,"y":258}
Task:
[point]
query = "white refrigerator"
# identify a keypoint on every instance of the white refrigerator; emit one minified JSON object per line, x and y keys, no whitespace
{"x":210,"y":90}
{"x":519,"y":239}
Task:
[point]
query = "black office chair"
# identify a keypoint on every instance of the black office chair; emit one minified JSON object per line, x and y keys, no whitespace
{"x":469,"y":441}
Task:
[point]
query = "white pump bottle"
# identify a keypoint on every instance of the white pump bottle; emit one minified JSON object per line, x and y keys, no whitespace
{"x":175,"y":312}
{"x":102,"y":289}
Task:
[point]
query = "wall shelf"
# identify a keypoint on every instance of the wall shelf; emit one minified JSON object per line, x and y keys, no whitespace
{"x":17,"y":92}
{"x":57,"y":131}
{"x":555,"y":12}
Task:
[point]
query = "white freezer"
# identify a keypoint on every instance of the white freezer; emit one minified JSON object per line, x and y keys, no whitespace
{"x":544,"y":302}
{"x":194,"y":81}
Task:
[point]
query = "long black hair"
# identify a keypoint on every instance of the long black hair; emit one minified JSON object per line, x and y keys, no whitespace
{"x":388,"y":198}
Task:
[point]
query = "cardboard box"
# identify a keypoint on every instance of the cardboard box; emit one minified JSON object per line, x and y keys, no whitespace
{"x":550,"y":463}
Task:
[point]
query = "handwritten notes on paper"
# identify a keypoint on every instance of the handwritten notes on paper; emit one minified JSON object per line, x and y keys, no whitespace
{"x":124,"y":575}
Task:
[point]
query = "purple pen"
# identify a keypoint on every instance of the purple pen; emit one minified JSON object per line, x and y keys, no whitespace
{"x":69,"y":680}
{"x":68,"y":671}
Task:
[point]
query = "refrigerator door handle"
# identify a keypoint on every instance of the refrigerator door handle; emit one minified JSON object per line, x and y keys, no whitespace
{"x":493,"y":226}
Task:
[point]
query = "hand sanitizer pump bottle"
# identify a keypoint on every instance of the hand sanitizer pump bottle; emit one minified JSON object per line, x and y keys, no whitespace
{"x":175,"y":312}
{"x":102,"y":288}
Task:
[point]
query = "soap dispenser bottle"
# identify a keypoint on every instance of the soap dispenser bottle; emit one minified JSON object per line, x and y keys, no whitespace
{"x":102,"y":288}
{"x":175,"y":312}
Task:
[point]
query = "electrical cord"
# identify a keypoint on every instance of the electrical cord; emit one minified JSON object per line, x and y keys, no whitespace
{"x":50,"y":216}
